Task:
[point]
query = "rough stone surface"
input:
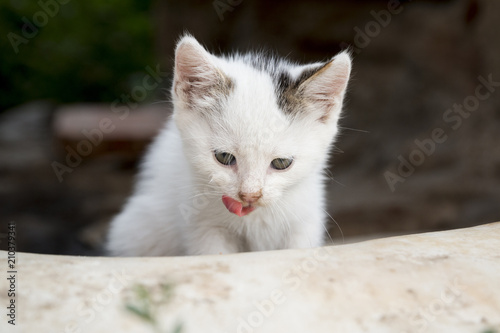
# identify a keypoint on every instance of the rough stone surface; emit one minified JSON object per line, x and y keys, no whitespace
{"x":435,"y":282}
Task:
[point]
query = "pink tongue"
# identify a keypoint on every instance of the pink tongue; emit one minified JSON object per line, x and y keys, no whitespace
{"x":236,"y":207}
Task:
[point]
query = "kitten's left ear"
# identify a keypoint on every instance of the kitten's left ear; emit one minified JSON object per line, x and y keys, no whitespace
{"x":326,"y":88}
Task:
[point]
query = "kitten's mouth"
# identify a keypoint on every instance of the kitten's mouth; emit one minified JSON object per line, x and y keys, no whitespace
{"x":236,"y":207}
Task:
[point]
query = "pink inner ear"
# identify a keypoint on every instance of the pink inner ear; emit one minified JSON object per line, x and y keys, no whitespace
{"x":194,"y":71}
{"x":330,"y":81}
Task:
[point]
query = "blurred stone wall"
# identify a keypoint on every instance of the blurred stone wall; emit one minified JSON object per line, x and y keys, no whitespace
{"x":415,"y":66}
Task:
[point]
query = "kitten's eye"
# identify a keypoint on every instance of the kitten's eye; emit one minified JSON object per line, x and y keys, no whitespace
{"x":281,"y":163}
{"x":225,"y":158}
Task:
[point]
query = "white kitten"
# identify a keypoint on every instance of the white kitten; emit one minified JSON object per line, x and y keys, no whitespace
{"x":241,"y":166}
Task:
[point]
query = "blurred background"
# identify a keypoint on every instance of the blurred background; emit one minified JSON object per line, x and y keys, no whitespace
{"x":84,"y":88}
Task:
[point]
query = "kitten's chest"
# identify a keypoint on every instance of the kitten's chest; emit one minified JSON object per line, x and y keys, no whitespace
{"x":263,"y":233}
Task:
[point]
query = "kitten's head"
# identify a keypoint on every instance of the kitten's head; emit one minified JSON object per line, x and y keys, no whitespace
{"x":253,"y":126}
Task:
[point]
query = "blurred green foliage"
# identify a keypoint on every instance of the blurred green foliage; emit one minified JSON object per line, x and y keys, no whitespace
{"x":84,"y":51}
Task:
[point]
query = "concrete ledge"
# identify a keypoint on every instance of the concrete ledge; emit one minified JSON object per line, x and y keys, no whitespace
{"x":435,"y":282}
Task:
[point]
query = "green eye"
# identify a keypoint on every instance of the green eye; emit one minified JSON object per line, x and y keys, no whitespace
{"x":281,"y":163}
{"x":225,"y":158}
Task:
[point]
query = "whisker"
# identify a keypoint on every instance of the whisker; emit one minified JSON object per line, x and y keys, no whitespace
{"x":337,"y":149}
{"x":284,"y":221}
{"x":336,"y":181}
{"x":354,"y":129}
{"x":338,"y":226}
{"x":159,"y":102}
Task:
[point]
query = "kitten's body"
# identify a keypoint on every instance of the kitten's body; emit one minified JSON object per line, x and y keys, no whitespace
{"x":258,"y":111}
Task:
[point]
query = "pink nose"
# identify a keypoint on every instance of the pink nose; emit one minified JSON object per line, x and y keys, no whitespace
{"x":250,"y":197}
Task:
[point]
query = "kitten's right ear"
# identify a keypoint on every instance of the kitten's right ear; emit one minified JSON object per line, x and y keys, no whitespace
{"x":196,"y":77}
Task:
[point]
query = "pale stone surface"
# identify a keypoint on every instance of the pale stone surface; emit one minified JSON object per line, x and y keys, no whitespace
{"x":435,"y":282}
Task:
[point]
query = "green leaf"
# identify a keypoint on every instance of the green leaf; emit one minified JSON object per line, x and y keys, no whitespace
{"x":140,"y":312}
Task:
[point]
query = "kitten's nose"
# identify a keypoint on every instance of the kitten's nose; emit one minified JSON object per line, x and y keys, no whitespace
{"x":250,"y":197}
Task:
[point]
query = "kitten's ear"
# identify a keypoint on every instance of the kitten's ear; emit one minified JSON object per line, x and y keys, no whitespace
{"x":196,"y":77}
{"x":326,"y":87}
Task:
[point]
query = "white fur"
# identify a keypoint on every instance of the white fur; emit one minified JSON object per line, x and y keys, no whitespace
{"x":176,"y":208}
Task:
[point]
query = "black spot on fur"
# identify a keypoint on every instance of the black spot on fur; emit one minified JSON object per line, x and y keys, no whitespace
{"x":286,"y":87}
